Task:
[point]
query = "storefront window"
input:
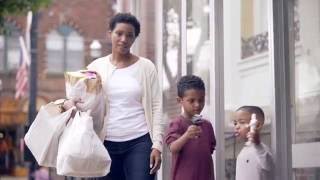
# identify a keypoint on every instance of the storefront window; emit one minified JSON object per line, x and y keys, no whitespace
{"x":247,"y":77}
{"x":171,"y":68}
{"x":199,"y":55}
{"x":306,"y":124}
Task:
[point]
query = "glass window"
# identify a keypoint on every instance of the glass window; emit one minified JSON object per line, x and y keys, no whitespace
{"x":13,"y":53}
{"x":2,"y":53}
{"x":75,"y":48}
{"x":247,"y":77}
{"x":55,"y":60}
{"x":9,"y":49}
{"x":171,"y":68}
{"x":306,"y":124}
{"x":199,"y":44}
{"x":65,"y":50}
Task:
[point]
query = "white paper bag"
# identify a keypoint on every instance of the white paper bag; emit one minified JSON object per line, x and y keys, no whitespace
{"x":86,"y":85}
{"x":81,"y":153}
{"x":43,"y":134}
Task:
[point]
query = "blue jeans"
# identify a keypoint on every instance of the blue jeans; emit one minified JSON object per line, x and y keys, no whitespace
{"x":130,"y":159}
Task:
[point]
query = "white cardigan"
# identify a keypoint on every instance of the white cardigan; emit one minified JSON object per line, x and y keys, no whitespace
{"x":151,"y":96}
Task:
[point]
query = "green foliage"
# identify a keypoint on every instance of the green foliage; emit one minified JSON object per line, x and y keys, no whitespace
{"x":19,"y":7}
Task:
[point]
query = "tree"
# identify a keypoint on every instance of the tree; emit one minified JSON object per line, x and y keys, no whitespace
{"x":18,"y":7}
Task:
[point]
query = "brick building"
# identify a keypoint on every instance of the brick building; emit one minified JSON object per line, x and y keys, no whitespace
{"x":66,"y":30}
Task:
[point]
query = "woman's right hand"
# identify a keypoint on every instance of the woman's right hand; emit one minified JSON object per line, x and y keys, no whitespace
{"x":68,"y":104}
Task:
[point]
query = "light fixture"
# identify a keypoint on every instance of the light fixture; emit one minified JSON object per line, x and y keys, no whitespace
{"x":95,"y":49}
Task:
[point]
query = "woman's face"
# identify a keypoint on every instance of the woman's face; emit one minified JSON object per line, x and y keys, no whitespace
{"x":122,"y":38}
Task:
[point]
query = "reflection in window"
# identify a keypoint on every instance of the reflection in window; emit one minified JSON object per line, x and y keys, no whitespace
{"x":307,"y":69}
{"x":171,"y":69}
{"x":9,"y":49}
{"x":172,"y":48}
{"x":198,"y":45}
{"x":306,"y":124}
{"x":254,"y":29}
{"x":65,"y":50}
{"x":2,"y":56}
{"x":246,"y":82}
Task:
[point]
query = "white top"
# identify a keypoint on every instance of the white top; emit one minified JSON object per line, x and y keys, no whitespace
{"x":254,"y":162}
{"x":147,"y":77}
{"x":126,"y":120}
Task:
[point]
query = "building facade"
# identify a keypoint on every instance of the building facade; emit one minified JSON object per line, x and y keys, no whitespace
{"x":70,"y":35}
{"x":249,"y":52}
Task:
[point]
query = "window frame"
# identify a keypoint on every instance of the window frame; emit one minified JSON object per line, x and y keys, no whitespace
{"x":64,"y":32}
{"x":10,"y":31}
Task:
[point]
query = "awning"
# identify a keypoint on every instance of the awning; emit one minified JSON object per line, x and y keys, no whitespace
{"x":11,"y":113}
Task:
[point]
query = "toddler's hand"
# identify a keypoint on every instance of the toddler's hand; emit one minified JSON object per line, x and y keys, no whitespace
{"x":193,"y":132}
{"x":254,"y":136}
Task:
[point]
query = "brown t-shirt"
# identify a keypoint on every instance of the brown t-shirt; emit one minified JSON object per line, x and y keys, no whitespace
{"x":194,"y":161}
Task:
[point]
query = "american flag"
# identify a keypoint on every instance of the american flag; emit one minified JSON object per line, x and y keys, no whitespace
{"x":22,"y":73}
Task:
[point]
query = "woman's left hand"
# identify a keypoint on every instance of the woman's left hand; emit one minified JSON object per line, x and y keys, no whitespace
{"x":155,"y":161}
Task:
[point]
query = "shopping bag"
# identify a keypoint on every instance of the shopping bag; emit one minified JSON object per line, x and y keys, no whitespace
{"x":81,"y":153}
{"x":43,"y":134}
{"x":86,"y":85}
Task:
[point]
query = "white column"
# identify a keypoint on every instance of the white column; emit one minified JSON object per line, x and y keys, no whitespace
{"x":159,"y":57}
{"x":217,"y":85}
{"x":183,"y":37}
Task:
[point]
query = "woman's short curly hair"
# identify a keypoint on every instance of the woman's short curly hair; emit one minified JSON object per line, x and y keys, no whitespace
{"x":125,"y":18}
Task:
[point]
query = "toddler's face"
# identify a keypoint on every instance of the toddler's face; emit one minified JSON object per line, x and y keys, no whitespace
{"x":192,"y":102}
{"x":241,"y":123}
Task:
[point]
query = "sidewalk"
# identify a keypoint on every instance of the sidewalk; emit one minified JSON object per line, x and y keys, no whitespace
{"x":12,"y":178}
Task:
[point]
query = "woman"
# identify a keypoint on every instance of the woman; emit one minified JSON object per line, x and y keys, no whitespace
{"x":133,"y":130}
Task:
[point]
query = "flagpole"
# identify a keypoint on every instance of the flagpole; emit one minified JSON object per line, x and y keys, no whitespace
{"x":33,"y":69}
{"x":28,"y":27}
{"x":33,"y":78}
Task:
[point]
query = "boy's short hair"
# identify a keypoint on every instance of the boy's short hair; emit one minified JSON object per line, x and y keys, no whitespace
{"x":189,"y":82}
{"x":253,"y":110}
{"x":125,"y":18}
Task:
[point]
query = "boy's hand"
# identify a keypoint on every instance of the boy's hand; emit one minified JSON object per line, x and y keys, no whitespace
{"x":193,"y":132}
{"x":254,"y":136}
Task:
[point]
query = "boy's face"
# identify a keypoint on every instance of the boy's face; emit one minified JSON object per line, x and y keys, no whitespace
{"x":241,"y":123}
{"x":192,"y":102}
